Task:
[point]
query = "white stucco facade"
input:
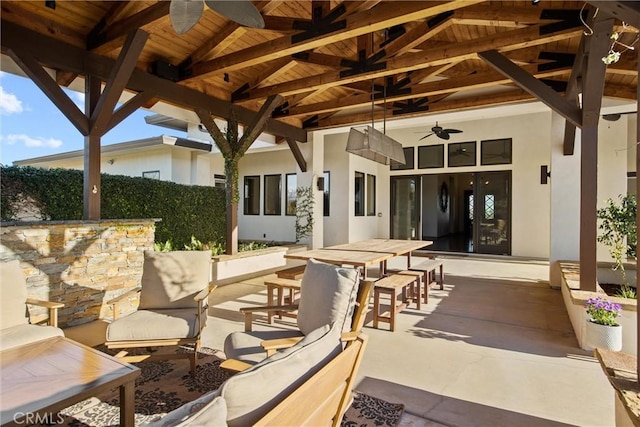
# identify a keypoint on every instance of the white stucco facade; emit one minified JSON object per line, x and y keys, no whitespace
{"x":544,"y":218}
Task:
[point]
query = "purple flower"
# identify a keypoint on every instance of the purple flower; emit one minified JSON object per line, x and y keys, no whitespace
{"x":603,"y":312}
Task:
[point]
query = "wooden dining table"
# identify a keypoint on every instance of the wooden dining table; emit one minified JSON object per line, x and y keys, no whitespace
{"x":363,"y":253}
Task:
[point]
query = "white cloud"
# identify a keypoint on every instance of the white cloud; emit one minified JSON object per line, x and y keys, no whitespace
{"x":9,"y":103}
{"x":30,"y":142}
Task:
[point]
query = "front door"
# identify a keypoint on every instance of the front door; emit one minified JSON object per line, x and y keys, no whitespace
{"x":492,"y":212}
{"x":404,"y":207}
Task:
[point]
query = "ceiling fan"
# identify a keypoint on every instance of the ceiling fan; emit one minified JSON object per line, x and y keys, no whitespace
{"x":615,"y":116}
{"x":185,"y":14}
{"x":440,"y":132}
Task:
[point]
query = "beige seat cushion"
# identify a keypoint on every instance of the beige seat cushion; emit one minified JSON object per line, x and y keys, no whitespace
{"x":246,"y":346}
{"x":328,"y":295}
{"x":172,"y":279}
{"x":154,"y":324}
{"x":13,"y":295}
{"x":254,"y":392}
{"x":25,"y":334}
{"x":209,"y":410}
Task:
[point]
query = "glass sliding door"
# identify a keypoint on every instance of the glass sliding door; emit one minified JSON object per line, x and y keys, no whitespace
{"x":405,"y":201}
{"x":492,"y":212}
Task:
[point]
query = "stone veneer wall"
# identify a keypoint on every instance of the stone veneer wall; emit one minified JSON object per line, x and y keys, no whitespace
{"x":82,"y":264}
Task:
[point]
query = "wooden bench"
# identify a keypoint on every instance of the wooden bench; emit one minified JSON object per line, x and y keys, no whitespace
{"x":275,"y":294}
{"x":393,"y":285}
{"x":428,"y":268}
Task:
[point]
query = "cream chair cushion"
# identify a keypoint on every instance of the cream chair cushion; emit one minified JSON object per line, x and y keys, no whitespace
{"x":246,"y":346}
{"x":209,"y":410}
{"x":328,"y":295}
{"x":154,"y":324}
{"x":171,"y":279}
{"x":25,"y":334}
{"x":254,"y":392}
{"x":13,"y":295}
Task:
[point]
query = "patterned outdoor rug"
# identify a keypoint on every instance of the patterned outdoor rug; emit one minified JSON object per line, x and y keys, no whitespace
{"x":165,"y":385}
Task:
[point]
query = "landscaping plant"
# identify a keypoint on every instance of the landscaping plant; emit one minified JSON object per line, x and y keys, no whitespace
{"x":603,"y":312}
{"x":618,"y":225}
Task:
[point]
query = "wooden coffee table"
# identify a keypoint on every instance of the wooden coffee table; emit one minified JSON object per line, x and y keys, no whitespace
{"x":42,"y":378}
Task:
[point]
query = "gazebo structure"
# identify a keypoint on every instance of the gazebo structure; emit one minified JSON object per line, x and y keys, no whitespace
{"x":323,"y":64}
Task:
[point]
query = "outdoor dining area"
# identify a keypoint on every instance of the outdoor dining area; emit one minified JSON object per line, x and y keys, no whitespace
{"x":462,"y":349}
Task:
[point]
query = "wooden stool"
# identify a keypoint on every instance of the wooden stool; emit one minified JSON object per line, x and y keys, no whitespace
{"x":394,"y":285}
{"x":428,"y":268}
{"x":416,"y":289}
{"x":278,"y":286}
{"x":292,"y":272}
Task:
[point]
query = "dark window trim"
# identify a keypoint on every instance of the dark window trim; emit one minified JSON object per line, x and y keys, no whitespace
{"x":367,"y":195}
{"x":264,"y":201}
{"x":363,"y":198}
{"x":245,"y":209}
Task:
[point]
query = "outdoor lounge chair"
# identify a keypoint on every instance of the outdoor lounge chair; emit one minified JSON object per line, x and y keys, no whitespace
{"x":16,"y":328}
{"x":173,"y":306}
{"x":307,"y":384}
{"x":329,"y":294}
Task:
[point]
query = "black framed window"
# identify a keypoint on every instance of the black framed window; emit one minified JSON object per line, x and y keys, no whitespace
{"x":408,"y":158}
{"x":431,"y":156}
{"x":462,"y":154}
{"x":326,"y":198}
{"x":273,"y":194}
{"x":291,"y":192}
{"x":252,"y":195}
{"x":371,"y":195}
{"x":359,"y":193}
{"x":495,"y":152}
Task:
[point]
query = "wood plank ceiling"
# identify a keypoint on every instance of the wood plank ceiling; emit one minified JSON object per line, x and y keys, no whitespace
{"x":327,"y":58}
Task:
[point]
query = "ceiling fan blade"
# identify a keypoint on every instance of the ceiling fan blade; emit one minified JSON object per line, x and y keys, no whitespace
{"x":443,"y":135}
{"x":426,"y":136}
{"x":241,"y":11}
{"x":185,"y":14}
{"x":453,"y":131}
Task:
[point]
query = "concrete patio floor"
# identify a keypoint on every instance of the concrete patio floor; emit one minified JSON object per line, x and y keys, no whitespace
{"x":494,"y":348}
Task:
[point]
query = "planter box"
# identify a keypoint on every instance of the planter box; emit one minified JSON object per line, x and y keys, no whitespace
{"x":226,"y":269}
{"x":575,"y":300}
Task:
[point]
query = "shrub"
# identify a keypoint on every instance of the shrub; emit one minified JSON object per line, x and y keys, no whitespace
{"x":185,"y":210}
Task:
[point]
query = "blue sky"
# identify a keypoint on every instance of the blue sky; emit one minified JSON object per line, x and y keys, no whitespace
{"x":32,"y":126}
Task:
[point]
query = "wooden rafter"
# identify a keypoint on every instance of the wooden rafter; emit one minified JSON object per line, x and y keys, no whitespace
{"x":534,"y":86}
{"x":48,"y":85}
{"x":297,"y":154}
{"x":627,"y":11}
{"x":107,"y":40}
{"x":115,"y":84}
{"x":387,"y":14}
{"x":63,"y":56}
{"x":506,"y":41}
{"x":125,"y":110}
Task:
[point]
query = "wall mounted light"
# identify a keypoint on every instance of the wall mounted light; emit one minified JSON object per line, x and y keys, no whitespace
{"x":110,"y":161}
{"x":545,"y":174}
{"x":320,"y":183}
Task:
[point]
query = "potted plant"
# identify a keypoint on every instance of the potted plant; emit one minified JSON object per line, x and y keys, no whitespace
{"x":603,"y":330}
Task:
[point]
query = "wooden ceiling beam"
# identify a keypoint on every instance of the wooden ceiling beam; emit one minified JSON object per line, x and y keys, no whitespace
{"x":626,"y":11}
{"x":274,"y":69}
{"x":417,"y":35}
{"x":496,"y":13}
{"x":255,"y":128}
{"x":297,"y":154}
{"x":203,"y":50}
{"x":534,"y":86}
{"x":125,"y":110}
{"x":436,"y":107}
{"x":109,"y":18}
{"x":117,"y":81}
{"x":65,"y":78}
{"x":108,"y":39}
{"x":63,"y":56}
{"x":440,"y":87}
{"x":509,"y":40}
{"x":382,"y":16}
{"x":28,"y":63}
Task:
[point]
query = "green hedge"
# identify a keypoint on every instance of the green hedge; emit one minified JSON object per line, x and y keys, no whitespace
{"x":186,"y":210}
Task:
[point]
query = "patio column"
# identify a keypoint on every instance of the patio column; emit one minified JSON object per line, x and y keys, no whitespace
{"x":565,"y":201}
{"x":313,"y":152}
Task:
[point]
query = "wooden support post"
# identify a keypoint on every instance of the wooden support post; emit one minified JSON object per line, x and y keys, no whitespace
{"x":91,"y":189}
